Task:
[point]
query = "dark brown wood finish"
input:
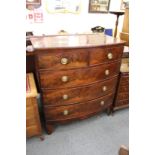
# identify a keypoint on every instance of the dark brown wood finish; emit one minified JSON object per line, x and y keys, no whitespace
{"x":53,"y":61}
{"x":122,"y":93}
{"x":77,"y":110}
{"x":42,"y":43}
{"x":101,"y":55}
{"x":77,"y":75}
{"x":76,"y":95}
{"x":30,"y":63}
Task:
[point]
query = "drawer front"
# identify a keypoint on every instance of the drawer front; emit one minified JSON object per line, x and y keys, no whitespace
{"x":124,"y":80}
{"x":75,"y":95}
{"x":123,"y":88}
{"x":122,"y":96}
{"x":77,"y":110}
{"x":101,"y":55}
{"x":78,"y":77}
{"x":63,"y":60}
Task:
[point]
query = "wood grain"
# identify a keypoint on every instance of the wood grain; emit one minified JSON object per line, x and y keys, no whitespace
{"x":100,"y":55}
{"x":53,"y":59}
{"x":77,"y":77}
{"x":77,"y":110}
{"x":76,"y":95}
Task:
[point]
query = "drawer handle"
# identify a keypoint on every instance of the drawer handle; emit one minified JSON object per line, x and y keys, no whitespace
{"x":66,"y":112}
{"x":104,"y":88}
{"x":65,"y":97}
{"x":102,"y":103}
{"x":64,"y":61}
{"x":64,"y":78}
{"x":110,"y":55}
{"x":107,"y":72}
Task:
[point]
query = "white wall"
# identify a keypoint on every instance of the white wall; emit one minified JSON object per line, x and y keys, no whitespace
{"x":75,"y":23}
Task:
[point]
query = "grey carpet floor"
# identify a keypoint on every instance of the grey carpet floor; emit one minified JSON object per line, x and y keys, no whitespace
{"x":98,"y":135}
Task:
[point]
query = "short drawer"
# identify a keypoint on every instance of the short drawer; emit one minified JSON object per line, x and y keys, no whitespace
{"x":77,"y":110}
{"x":102,"y":55}
{"x":63,"y":60}
{"x":78,"y":77}
{"x":75,"y":95}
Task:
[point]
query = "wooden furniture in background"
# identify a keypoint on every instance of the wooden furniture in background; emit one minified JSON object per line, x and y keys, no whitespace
{"x":124,"y":35}
{"x":33,"y":125}
{"x":123,"y":150}
{"x":117,"y":13}
{"x":122,"y":93}
{"x":77,"y":75}
{"x":30,"y":62}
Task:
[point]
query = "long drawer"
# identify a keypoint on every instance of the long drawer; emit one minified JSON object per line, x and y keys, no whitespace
{"x":77,"y":110}
{"x":78,"y":77}
{"x":75,"y":95}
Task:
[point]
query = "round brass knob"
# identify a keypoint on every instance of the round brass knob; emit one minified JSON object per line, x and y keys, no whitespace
{"x":104,"y":88}
{"x":102,"y":103}
{"x":64,"y":61}
{"x":65,"y":96}
{"x":110,"y":55}
{"x":107,"y":72}
{"x":65,"y":112}
{"x":64,"y":78}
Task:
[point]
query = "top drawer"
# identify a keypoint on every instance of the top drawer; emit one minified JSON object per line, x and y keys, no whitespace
{"x":65,"y":59}
{"x":102,"y":55}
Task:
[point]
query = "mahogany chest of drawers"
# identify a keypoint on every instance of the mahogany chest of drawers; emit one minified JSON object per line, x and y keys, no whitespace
{"x":77,"y":74}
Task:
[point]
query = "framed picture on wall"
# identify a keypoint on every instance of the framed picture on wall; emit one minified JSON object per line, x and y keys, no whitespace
{"x":63,"y":6}
{"x":99,"y":6}
{"x":124,"y":4}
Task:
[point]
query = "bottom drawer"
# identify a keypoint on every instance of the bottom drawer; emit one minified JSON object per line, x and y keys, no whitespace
{"x":77,"y":110}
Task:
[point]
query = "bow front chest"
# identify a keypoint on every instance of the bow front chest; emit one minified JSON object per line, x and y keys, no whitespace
{"x":77,"y":74}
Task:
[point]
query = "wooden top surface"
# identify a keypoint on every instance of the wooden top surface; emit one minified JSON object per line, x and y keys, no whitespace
{"x":73,"y":41}
{"x":33,"y":89}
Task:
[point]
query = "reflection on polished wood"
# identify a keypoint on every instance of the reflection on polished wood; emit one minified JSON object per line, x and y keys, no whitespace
{"x":74,"y":41}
